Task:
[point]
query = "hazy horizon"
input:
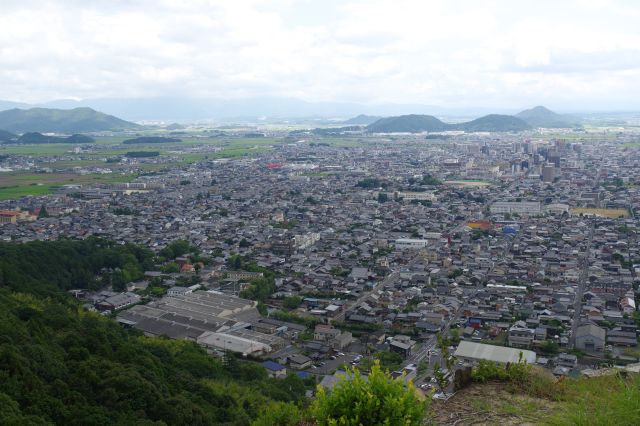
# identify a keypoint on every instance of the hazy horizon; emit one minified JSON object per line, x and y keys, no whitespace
{"x":497,"y":55}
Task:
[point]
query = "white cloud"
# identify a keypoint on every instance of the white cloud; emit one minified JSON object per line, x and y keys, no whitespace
{"x":495,"y":53}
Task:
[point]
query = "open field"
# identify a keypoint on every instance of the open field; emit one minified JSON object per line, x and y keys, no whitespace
{"x":609,"y":213}
{"x":20,"y":184}
{"x":467,"y":183}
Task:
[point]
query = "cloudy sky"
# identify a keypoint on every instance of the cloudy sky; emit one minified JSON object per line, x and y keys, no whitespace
{"x":564,"y":54}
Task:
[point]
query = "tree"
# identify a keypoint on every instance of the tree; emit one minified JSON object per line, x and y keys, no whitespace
{"x":292,"y":302}
{"x":382,"y":197}
{"x":449,"y":361}
{"x":43,"y":212}
{"x":380,"y":400}
{"x":279,"y":414}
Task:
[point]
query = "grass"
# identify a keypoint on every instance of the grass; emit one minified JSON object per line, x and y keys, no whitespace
{"x":21,"y":184}
{"x":12,"y":192}
{"x":609,"y":400}
{"x":529,"y":394}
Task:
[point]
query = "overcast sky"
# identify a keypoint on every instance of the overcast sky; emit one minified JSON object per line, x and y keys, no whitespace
{"x":564,"y":54}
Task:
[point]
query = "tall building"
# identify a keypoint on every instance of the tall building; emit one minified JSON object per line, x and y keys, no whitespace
{"x":548,"y":173}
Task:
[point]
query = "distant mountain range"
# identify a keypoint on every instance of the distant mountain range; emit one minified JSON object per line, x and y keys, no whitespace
{"x":7,"y":136}
{"x":77,"y":120}
{"x":363,"y":120}
{"x":179,"y":109}
{"x":428,"y":123}
{"x":543,"y":117}
{"x":525,"y":120}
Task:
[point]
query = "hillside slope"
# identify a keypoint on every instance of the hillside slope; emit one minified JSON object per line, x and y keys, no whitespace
{"x":412,"y":123}
{"x":544,"y":117}
{"x":427,"y":123}
{"x":494,"y":123}
{"x":544,"y":400}
{"x":77,"y":120}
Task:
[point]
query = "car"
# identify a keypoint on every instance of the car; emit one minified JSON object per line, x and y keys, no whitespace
{"x":322,"y":363}
{"x":425,"y":386}
{"x":314,"y":367}
{"x":332,"y":357}
{"x":340,"y":354}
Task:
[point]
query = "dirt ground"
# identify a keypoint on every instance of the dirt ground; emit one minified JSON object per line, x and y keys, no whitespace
{"x":490,"y":404}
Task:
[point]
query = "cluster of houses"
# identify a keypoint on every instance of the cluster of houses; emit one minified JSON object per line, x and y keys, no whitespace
{"x":502,"y":239}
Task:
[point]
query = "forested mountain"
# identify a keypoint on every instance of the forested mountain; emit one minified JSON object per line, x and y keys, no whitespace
{"x":7,"y":136}
{"x":543,"y":117}
{"x":494,"y":123}
{"x":62,"y":365}
{"x":408,"y":124}
{"x":428,"y":123}
{"x":362,"y":119}
{"x":77,"y":120}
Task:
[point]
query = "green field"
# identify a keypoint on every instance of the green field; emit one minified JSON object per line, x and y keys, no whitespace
{"x":20,"y":184}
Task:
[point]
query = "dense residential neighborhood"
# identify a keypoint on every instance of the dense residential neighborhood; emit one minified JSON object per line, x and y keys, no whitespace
{"x":314,"y":256}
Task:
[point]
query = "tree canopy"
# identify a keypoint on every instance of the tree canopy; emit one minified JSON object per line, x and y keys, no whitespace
{"x":377,"y":400}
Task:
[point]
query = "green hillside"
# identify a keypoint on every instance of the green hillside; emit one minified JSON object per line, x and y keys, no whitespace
{"x":62,"y":365}
{"x":412,"y":123}
{"x":7,"y":136}
{"x":77,"y":120}
{"x":543,"y":117}
{"x":427,"y":123}
{"x":494,"y":123}
{"x":362,"y":119}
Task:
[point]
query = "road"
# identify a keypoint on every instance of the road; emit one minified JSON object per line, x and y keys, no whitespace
{"x":392,"y":277}
{"x":584,"y":274}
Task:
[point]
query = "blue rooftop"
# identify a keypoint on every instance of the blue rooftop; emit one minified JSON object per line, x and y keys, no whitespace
{"x":273,"y":366}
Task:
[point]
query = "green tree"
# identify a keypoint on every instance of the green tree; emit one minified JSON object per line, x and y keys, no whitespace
{"x":448,"y":362}
{"x":380,"y":400}
{"x":43,"y":212}
{"x":279,"y":414}
{"x":292,"y":302}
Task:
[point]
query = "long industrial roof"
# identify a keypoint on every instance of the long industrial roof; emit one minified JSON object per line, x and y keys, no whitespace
{"x":473,"y":350}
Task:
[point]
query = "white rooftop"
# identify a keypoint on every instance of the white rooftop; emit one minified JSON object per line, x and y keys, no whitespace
{"x":473,"y":350}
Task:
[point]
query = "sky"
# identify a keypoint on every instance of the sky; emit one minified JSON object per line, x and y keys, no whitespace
{"x":566,"y":54}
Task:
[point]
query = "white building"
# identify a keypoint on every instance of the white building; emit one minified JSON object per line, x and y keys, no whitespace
{"x":304,"y":241}
{"x":410,"y":244}
{"x":421,"y":196}
{"x":473,"y":352}
{"x":520,"y":207}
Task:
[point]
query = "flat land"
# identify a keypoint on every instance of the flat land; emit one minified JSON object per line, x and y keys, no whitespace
{"x":20,"y":184}
{"x":60,"y":157}
{"x":609,"y":213}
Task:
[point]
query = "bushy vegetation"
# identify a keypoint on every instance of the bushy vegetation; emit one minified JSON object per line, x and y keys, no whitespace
{"x":61,"y":365}
{"x":45,"y":268}
{"x":142,"y":154}
{"x":606,"y":400}
{"x":150,"y":139}
{"x":380,"y":400}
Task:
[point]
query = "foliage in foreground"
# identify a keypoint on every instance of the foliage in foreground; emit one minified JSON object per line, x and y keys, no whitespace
{"x":61,"y":365}
{"x":608,"y":400}
{"x":380,"y":400}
